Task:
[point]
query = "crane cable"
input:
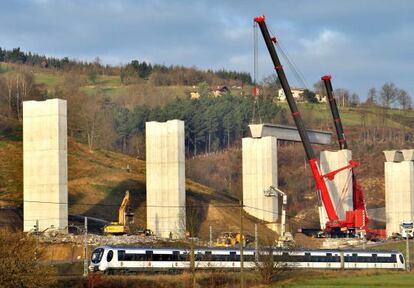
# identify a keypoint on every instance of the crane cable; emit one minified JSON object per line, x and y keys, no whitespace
{"x":255,"y":73}
{"x":291,"y":64}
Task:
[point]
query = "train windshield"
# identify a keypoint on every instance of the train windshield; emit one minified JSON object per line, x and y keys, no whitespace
{"x":407,"y":225}
{"x":97,"y":255}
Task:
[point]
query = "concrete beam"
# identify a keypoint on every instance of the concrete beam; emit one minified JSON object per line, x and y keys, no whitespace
{"x":393,"y":156}
{"x":289,"y":133}
{"x":408,"y":154}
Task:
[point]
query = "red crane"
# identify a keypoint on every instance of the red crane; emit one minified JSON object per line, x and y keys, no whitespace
{"x":355,"y":219}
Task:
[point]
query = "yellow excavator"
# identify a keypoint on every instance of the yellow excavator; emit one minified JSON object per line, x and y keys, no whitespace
{"x":120,"y":227}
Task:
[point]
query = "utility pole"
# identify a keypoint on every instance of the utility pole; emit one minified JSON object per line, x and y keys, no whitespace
{"x":241,"y":245}
{"x":85,"y":243}
{"x":36,"y":230}
{"x":407,"y":252}
{"x":211,"y":236}
{"x":256,"y":242}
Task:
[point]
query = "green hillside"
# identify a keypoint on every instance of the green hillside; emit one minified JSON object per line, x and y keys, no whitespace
{"x":214,"y":128}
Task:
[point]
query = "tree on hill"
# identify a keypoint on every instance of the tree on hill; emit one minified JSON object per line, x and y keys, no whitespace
{"x":404,"y":99}
{"x":389,"y":94}
{"x":372,"y":98}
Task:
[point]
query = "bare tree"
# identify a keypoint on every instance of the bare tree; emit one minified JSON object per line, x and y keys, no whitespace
{"x":354,"y":99}
{"x":342,"y":96}
{"x":271,"y":264}
{"x":404,"y":99}
{"x":389,"y":94}
{"x":372,"y":98}
{"x":320,"y":90}
{"x":90,"y":117}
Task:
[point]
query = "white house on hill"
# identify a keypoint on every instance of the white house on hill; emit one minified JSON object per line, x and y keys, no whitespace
{"x":297,"y":94}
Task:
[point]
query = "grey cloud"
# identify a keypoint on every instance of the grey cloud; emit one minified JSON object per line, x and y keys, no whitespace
{"x":371,"y":41}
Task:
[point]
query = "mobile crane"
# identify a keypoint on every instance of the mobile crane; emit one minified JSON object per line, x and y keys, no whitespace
{"x":355,"y":219}
{"x":120,"y":227}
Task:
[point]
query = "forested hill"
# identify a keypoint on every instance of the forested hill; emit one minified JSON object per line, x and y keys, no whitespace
{"x":106,"y":113}
{"x":129,"y":73}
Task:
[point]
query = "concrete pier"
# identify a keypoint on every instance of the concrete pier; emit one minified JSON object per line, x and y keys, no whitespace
{"x":259,"y":173}
{"x":45,"y":177}
{"x":165,"y":162}
{"x":340,"y":188}
{"x":399,"y":188}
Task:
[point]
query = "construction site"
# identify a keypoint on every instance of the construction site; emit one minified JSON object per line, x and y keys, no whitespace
{"x":288,"y":192}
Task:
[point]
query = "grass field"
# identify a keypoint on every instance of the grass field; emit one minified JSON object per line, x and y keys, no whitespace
{"x":396,"y":279}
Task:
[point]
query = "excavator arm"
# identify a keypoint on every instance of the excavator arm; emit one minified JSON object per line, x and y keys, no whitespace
{"x":122,"y":209}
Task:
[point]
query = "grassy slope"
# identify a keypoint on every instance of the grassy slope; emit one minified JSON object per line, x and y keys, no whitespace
{"x":97,"y":184}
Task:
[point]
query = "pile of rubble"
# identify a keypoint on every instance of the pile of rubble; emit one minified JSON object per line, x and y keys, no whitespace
{"x":96,"y":240}
{"x":339,"y":243}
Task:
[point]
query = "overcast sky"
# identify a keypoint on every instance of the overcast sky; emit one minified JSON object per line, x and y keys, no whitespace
{"x":361,"y":43}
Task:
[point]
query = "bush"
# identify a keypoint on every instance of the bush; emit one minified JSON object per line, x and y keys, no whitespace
{"x":19,"y":265}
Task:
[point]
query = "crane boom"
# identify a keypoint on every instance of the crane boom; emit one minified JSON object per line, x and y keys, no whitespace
{"x":335,"y":113}
{"x":310,"y":154}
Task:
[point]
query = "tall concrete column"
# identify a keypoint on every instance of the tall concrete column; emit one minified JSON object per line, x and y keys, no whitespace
{"x":259,"y":173}
{"x":165,"y":162}
{"x":45,"y":177}
{"x":340,"y":188}
{"x":399,"y":189}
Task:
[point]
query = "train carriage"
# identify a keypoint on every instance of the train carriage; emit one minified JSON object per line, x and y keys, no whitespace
{"x":111,"y":259}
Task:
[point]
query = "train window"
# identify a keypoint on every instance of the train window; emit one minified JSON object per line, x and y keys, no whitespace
{"x":121,"y":255}
{"x":128,"y":257}
{"x":176,"y":255}
{"x":249,"y":258}
{"x":401,"y":259}
{"x":166,"y":257}
{"x":156,"y":257}
{"x":183,"y":257}
{"x":149,"y":254}
{"x":393,"y":258}
{"x":221,"y":258}
{"x":208,"y":256}
{"x":109,"y":256}
{"x":354,"y":257}
{"x":199,"y":256}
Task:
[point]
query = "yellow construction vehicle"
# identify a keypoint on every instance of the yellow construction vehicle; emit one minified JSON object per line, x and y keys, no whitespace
{"x":120,"y":227}
{"x":228,"y":239}
{"x":231,"y":239}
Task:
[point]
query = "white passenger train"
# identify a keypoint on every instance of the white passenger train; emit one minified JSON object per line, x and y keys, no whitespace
{"x":111,"y":259}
